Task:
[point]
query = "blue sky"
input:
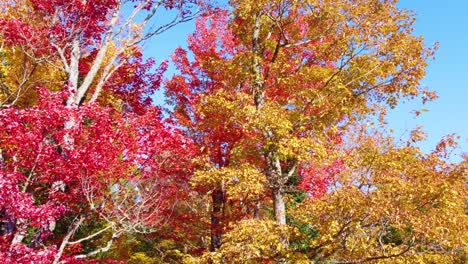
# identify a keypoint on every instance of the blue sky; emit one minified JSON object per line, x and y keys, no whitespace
{"x":445,"y":22}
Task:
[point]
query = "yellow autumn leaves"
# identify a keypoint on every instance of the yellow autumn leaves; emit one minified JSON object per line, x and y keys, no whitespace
{"x":391,"y":202}
{"x":240,"y":182}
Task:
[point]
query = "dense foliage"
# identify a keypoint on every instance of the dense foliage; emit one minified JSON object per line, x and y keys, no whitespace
{"x":272,"y":147}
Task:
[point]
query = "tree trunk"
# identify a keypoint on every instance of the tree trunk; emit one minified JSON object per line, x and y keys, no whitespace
{"x":274,"y":173}
{"x":216,"y":215}
{"x":277,"y":182}
{"x":279,"y":206}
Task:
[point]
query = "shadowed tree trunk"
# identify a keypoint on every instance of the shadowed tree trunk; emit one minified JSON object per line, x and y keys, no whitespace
{"x":216,"y":219}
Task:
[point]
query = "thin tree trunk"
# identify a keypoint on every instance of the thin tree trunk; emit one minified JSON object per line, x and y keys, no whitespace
{"x":216,"y":217}
{"x":256,"y":210}
{"x":73,"y":69}
{"x":67,"y":237}
{"x":257,"y":67}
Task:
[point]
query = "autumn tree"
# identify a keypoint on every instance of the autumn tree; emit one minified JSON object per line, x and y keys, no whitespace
{"x":391,"y":203}
{"x":209,"y":127}
{"x":290,"y":75}
{"x":92,"y":51}
{"x":127,"y":171}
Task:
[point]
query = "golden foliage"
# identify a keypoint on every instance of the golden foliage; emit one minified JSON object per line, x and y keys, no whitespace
{"x":256,"y":241}
{"x":242,"y":182}
{"x":391,"y":202}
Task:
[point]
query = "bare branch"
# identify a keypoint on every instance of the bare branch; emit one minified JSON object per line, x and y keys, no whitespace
{"x":71,"y":231}
{"x":90,"y":236}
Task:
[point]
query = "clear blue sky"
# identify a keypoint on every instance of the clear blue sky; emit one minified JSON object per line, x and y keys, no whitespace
{"x":445,"y":22}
